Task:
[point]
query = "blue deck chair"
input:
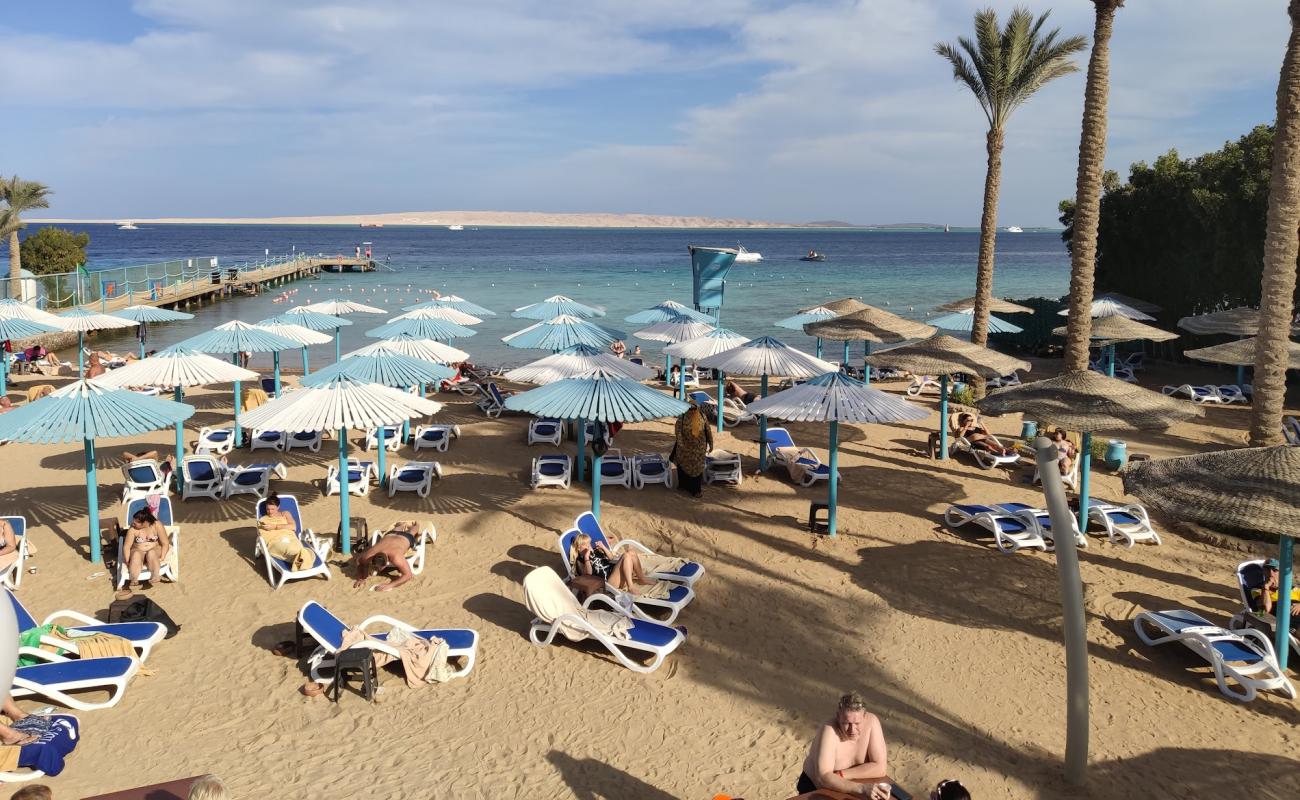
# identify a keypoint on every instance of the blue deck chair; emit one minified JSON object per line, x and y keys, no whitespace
{"x":1041,"y":521}
{"x":587,"y":523}
{"x":56,"y":680}
{"x":142,"y":635}
{"x":814,"y":470}
{"x":142,"y":478}
{"x":317,"y":622}
{"x":437,"y":437}
{"x":215,"y":440}
{"x":1125,"y":524}
{"x":1009,"y":531}
{"x":205,"y":476}
{"x":14,"y":574}
{"x":310,"y":440}
{"x":545,"y":430}
{"x":170,"y":569}
{"x":677,"y":598}
{"x":279,"y":571}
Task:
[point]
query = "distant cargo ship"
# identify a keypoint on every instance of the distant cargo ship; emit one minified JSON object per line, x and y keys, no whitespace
{"x":372,"y":224}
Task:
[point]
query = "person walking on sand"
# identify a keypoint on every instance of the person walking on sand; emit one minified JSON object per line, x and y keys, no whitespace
{"x":694,"y":440}
{"x":389,"y":551}
{"x":848,"y":748}
{"x":618,"y":348}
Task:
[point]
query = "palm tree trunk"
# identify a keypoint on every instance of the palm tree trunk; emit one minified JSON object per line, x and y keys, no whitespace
{"x":15,"y":268}
{"x":1087,"y":202}
{"x":1281,"y":244}
{"x":988,"y":237}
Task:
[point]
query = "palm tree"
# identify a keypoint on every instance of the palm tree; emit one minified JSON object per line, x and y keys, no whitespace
{"x":21,"y":196}
{"x":1003,"y":68}
{"x":1281,"y":244}
{"x":1087,"y":200}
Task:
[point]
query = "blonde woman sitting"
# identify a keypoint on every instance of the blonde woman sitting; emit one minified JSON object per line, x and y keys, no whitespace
{"x":623,"y":572}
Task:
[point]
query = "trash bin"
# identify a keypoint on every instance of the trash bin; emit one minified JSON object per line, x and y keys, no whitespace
{"x":1028,"y":430}
{"x":1116,"y":454}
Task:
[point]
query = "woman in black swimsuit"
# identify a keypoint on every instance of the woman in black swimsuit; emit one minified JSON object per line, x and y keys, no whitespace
{"x":389,"y":551}
{"x":623,"y":572}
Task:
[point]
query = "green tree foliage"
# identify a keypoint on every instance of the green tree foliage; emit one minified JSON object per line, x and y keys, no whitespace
{"x":51,"y":250}
{"x":1186,"y":234}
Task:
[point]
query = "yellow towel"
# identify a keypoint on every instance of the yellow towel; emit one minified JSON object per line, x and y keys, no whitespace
{"x":653,"y":562}
{"x":37,"y":392}
{"x":254,"y":397}
{"x":9,"y":757}
{"x":659,"y":591}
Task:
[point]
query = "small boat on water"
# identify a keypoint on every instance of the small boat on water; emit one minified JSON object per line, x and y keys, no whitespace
{"x":746,"y":257}
{"x":813,"y":255}
{"x":1015,"y":229}
{"x":372,"y":224}
{"x":128,"y":226}
{"x":455,"y":227}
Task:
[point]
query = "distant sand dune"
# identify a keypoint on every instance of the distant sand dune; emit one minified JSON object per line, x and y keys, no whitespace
{"x":538,"y":219}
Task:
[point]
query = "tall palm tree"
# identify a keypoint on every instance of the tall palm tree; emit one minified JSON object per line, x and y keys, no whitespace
{"x":1087,"y":199}
{"x":1281,"y":245}
{"x":1003,"y":67}
{"x":21,"y":196}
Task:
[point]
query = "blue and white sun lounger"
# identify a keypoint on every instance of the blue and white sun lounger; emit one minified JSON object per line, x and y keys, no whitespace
{"x":1041,"y":521}
{"x":56,"y":680}
{"x":215,"y":440}
{"x":142,"y":478}
{"x":327,"y":629}
{"x":279,"y":571}
{"x":1124,"y":524}
{"x":267,"y":440}
{"x":169,"y":569}
{"x":551,"y":470}
{"x":1245,"y":656}
{"x":204,"y":475}
{"x":14,"y":574}
{"x":587,"y":523}
{"x":1009,"y":531}
{"x":308,"y":440}
{"x":437,"y":437}
{"x":142,"y":635}
{"x":545,"y":431}
{"x":360,"y":474}
{"x":814,"y":470}
{"x":413,"y":476}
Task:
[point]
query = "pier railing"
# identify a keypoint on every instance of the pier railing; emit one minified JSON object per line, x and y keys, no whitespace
{"x":118,"y":287}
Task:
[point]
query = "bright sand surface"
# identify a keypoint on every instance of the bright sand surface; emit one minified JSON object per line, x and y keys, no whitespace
{"x":956,"y":646}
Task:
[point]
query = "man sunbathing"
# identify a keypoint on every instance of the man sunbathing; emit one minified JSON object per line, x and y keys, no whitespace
{"x":848,"y":749}
{"x":389,"y":551}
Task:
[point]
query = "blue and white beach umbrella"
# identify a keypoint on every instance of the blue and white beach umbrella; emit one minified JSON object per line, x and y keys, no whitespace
{"x":339,"y":308}
{"x":677,"y":328}
{"x":577,"y":360}
{"x":415,"y":347}
{"x":340,"y":404}
{"x":834,"y":397}
{"x":437,"y":329}
{"x":444,"y":313}
{"x":456,"y":302}
{"x":555,"y":306}
{"x":311,"y":320}
{"x":83,"y":322}
{"x":814,"y":314}
{"x":718,"y":340}
{"x":234,"y":338}
{"x":600,"y":397}
{"x":16,"y":328}
{"x":965,"y":321}
{"x":83,"y":412}
{"x":665,"y":311}
{"x":306,"y":337}
{"x":562,"y":332}
{"x":143,"y":315}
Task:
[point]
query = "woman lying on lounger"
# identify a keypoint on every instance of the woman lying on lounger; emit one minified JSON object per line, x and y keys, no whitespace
{"x":279,"y":534}
{"x":8,"y":546}
{"x":969,"y":427}
{"x":1064,"y":450}
{"x":146,"y":544}
{"x":622,"y":572}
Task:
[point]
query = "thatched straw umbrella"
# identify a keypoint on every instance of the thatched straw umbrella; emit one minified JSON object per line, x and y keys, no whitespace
{"x":1088,"y":401}
{"x":997,"y":306}
{"x":1131,"y":302}
{"x":845,"y":305}
{"x":1240,"y":321}
{"x":1240,"y":353}
{"x":869,"y":324}
{"x":1249,"y":489}
{"x":1109,"y":330}
{"x":945,"y":355}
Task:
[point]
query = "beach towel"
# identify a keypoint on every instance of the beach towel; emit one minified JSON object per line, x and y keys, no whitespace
{"x":792,"y":465}
{"x":423,"y":660}
{"x":102,"y":645}
{"x":56,"y":738}
{"x":37,"y":392}
{"x":546,"y":596}
{"x":659,"y":591}
{"x":254,"y":397}
{"x":285,"y":545}
{"x":653,"y":562}
{"x":173,"y":559}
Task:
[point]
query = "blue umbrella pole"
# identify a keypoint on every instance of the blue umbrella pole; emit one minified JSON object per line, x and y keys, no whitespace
{"x":844,"y":362}
{"x":81,"y":355}
{"x":4,"y":374}
{"x":1285,"y":555}
{"x":92,"y":498}
{"x":681,"y":379}
{"x":1241,"y":374}
{"x":943,"y":417}
{"x":866,"y":368}
{"x":275,"y":359}
{"x":345,"y":519}
{"x":1110,"y":361}
{"x":381,"y":435}
{"x":180,"y":448}
{"x":819,"y":347}
{"x":835,"y":477}
{"x":239,"y":440}
{"x":338,"y":347}
{"x":140,"y":336}
{"x":582,"y":447}
{"x":668,"y":370}
{"x":1085,"y":467}
{"x":305,"y":370}
{"x":762,"y":428}
{"x":722,"y":379}
{"x":595,"y":487}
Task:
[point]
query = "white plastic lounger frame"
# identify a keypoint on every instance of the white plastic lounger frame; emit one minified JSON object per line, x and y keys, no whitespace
{"x":1250,"y":576}
{"x":267,"y":440}
{"x":655,"y":638}
{"x":1124,"y":524}
{"x":587,"y":523}
{"x":278,"y":572}
{"x":1040,"y":520}
{"x":551,"y":470}
{"x":13,"y":576}
{"x":1010,"y":533}
{"x":142,"y":635}
{"x":648,"y":468}
{"x":392,"y":438}
{"x":307,"y":440}
{"x":1291,"y":430}
{"x":415,"y":556}
{"x":615,"y":470}
{"x":143,"y":477}
{"x":166,"y":569}
{"x":545,"y":431}
{"x":723,"y":468}
{"x":1198,"y":394}
{"x":779,"y":439}
{"x":1245,"y":656}
{"x":360,"y":475}
{"x":984,"y":458}
{"x":252,"y":479}
{"x":327,"y":629}
{"x":204,"y":475}
{"x":921,"y":383}
{"x":679,"y":596}
{"x":215,"y":440}
{"x":57,"y":680}
{"x":491,"y":402}
{"x":437,"y":437}
{"x":1071,"y":480}
{"x":413,"y":476}
{"x":1232,"y":393}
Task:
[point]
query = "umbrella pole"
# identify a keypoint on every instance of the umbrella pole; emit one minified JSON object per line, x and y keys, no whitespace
{"x":595,"y":487}
{"x":4,"y":374}
{"x":762,"y":428}
{"x":1241,"y":374}
{"x":234,"y":359}
{"x":180,"y":448}
{"x":943,"y":417}
{"x":722,"y":379}
{"x":338,"y":347}
{"x":844,"y":362}
{"x":345,"y":520}
{"x":582,"y":447}
{"x":305,"y":370}
{"x":866,"y":368}
{"x":1085,"y":467}
{"x":1285,"y":555}
{"x":1110,"y":361}
{"x":81,"y":355}
{"x":92,"y":498}
{"x":668,"y":370}
{"x":275,"y":358}
{"x":835,"y":477}
{"x":140,"y":336}
{"x":681,"y":379}
{"x":381,"y":436}
{"x":819,"y":347}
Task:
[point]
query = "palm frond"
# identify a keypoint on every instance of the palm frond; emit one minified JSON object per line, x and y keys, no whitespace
{"x":24,"y":195}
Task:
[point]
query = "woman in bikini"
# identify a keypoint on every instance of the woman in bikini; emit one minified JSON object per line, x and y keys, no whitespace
{"x":147,"y":544}
{"x":969,"y":427}
{"x":623,"y":572}
{"x":9,"y":543}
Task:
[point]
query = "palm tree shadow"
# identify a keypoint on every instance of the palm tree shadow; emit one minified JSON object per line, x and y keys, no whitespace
{"x":590,"y":779}
{"x":1184,"y":772}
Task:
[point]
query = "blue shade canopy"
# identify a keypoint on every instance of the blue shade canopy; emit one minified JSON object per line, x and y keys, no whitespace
{"x":311,"y":320}
{"x":437,"y":329}
{"x":17,"y":328}
{"x":710,"y":266}
{"x":415,"y":347}
{"x":834,"y":396}
{"x":555,"y":306}
{"x":710,"y":344}
{"x":297,"y":333}
{"x":666,"y":311}
{"x":445,"y":313}
{"x":151,"y":314}
{"x":677,"y":329}
{"x":597,"y":396}
{"x":238,"y":337}
{"x":767,"y":356}
{"x":1108,"y":307}
{"x":452,"y":301}
{"x":383,"y":366}
{"x":13,"y":309}
{"x":83,"y":410}
{"x":563,"y":332}
{"x":801,"y":319}
{"x":341,"y":402}
{"x":965,"y":321}
{"x":577,"y":360}
{"x":337,"y":307}
{"x":79,"y":320}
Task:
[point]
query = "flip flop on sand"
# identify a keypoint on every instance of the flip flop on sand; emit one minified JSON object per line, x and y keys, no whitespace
{"x":311,"y":689}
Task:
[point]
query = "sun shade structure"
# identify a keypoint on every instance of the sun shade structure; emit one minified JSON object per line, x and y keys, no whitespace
{"x":1248,"y":489}
{"x":1131,"y":302}
{"x":1240,"y":353}
{"x":845,"y":305}
{"x":143,"y":315}
{"x":814,"y":314}
{"x":600,"y":397}
{"x":869,"y":324}
{"x":83,"y":412}
{"x":445,"y":313}
{"x":946,"y":356}
{"x":577,"y":360}
{"x":665,"y":311}
{"x":1088,"y":401}
{"x":563,"y":332}
{"x":453,"y":301}
{"x":673,"y":330}
{"x":14,"y":309}
{"x":997,"y":306}
{"x":17,"y":328}
{"x":436,"y":329}
{"x":557,"y":305}
{"x":835,"y":397}
{"x":1240,"y":321}
{"x":340,"y":404}
{"x":718,"y":340}
{"x":415,"y":347}
{"x":312,"y":320}
{"x":338,"y":308}
{"x":965,"y":321}
{"x":1108,"y":307}
{"x":303,"y":336}
{"x":1109,"y":330}
{"x":82,"y":322}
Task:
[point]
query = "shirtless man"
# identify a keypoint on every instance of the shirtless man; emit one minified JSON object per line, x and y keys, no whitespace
{"x":847,"y":750}
{"x":389,"y":551}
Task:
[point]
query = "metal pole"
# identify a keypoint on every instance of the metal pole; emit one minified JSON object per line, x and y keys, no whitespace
{"x":722,"y":379}
{"x":381,"y":435}
{"x":345,"y":520}
{"x":275,"y":359}
{"x":140,"y":334}
{"x":305,"y":370}
{"x":338,"y":347}
{"x":835,"y":477}
{"x":1241,"y":374}
{"x":239,"y":441}
{"x":582,"y":447}
{"x":595,"y":486}
{"x":180,"y":447}
{"x":943,"y":417}
{"x":1110,"y":361}
{"x":866,"y":368}
{"x":1085,"y":468}
{"x":4,"y":374}
{"x":1285,"y":556}
{"x":681,"y":379}
{"x":819,"y":347}
{"x":844,"y":362}
{"x":92,"y":498}
{"x":668,"y":370}
{"x":1076,"y":637}
{"x":81,"y":355}
{"x":762,"y":429}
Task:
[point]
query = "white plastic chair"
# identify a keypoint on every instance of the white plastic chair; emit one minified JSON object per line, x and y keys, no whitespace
{"x":1246,"y":656}
{"x":143,"y":478}
{"x":437,"y":437}
{"x":413,"y":476}
{"x":551,"y":470}
{"x":204,"y":476}
{"x":545,"y":431}
{"x":360,"y":474}
{"x":392,"y":435}
{"x":267,"y":440}
{"x":648,"y":468}
{"x":215,"y":440}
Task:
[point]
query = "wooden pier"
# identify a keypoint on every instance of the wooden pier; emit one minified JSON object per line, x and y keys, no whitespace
{"x":344,"y":264}
{"x":212,"y":285}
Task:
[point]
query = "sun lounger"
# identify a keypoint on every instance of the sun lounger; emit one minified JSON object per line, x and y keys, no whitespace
{"x":437,"y":437}
{"x":268,"y":386}
{"x":678,"y":597}
{"x":1198,"y":394}
{"x":1071,"y":480}
{"x":279,"y":571}
{"x":589,"y":434}
{"x":986,"y":459}
{"x":778,"y":440}
{"x":734,"y":411}
{"x":204,"y":476}
{"x":615,"y":470}
{"x":545,"y":593}
{"x":493,"y":401}
{"x":267,"y":440}
{"x":1250,"y":577}
{"x":551,"y":470}
{"x":922,"y":383}
{"x":142,"y":635}
{"x":1124,"y":524}
{"x":1134,"y":361}
{"x":722,"y":466}
{"x":648,"y":468}
{"x":587,"y":523}
{"x":360,"y":474}
{"x":545,"y":431}
{"x":316,"y":621}
{"x":461,"y":385}
{"x":1041,"y":521}
{"x":306,"y":440}
{"x":215,"y":440}
{"x":1232,"y":393}
{"x":13,"y":576}
{"x":413,"y":476}
{"x":143,"y":477}
{"x":1246,"y":657}
{"x":169,"y":569}
{"x":57,"y":681}
{"x":251,"y":479}
{"x":391,"y":434}
{"x":1006,"y":380}
{"x":1010,"y":533}
{"x":1291,"y":430}
{"x":414,"y":556}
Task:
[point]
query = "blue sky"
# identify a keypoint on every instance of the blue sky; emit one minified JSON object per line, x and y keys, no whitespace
{"x":781,"y":111}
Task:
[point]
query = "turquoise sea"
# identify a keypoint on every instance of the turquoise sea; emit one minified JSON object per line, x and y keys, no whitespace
{"x":623,"y":270}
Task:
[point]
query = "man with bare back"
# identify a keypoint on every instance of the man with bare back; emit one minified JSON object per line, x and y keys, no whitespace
{"x":848,"y":752}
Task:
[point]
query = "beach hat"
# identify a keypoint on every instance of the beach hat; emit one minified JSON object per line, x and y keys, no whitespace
{"x":1271,"y":564}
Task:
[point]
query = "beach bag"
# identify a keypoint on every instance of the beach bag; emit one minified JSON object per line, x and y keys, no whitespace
{"x":142,"y":609}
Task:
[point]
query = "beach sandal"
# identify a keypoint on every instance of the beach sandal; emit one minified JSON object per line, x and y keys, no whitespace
{"x":311,"y":689}
{"x":285,"y":648}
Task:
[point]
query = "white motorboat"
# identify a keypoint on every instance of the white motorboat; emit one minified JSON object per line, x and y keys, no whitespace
{"x":746,"y":257}
{"x":1015,"y":229}
{"x":455,"y":227}
{"x":127,"y":226}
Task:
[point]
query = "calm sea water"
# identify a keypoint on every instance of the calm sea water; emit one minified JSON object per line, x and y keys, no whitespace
{"x":623,"y":270}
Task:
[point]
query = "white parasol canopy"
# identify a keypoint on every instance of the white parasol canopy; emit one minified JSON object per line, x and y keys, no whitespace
{"x":672,"y":331}
{"x":445,"y":313}
{"x":175,"y":366}
{"x":426,"y":349}
{"x":716,"y":341}
{"x":836,"y":397}
{"x":341,"y":403}
{"x":339,"y":307}
{"x":574,"y":361}
{"x":1107,"y":307}
{"x":299,"y":334}
{"x":767,"y":356}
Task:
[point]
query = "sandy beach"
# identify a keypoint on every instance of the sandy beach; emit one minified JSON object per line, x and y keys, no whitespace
{"x":956,"y":646}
